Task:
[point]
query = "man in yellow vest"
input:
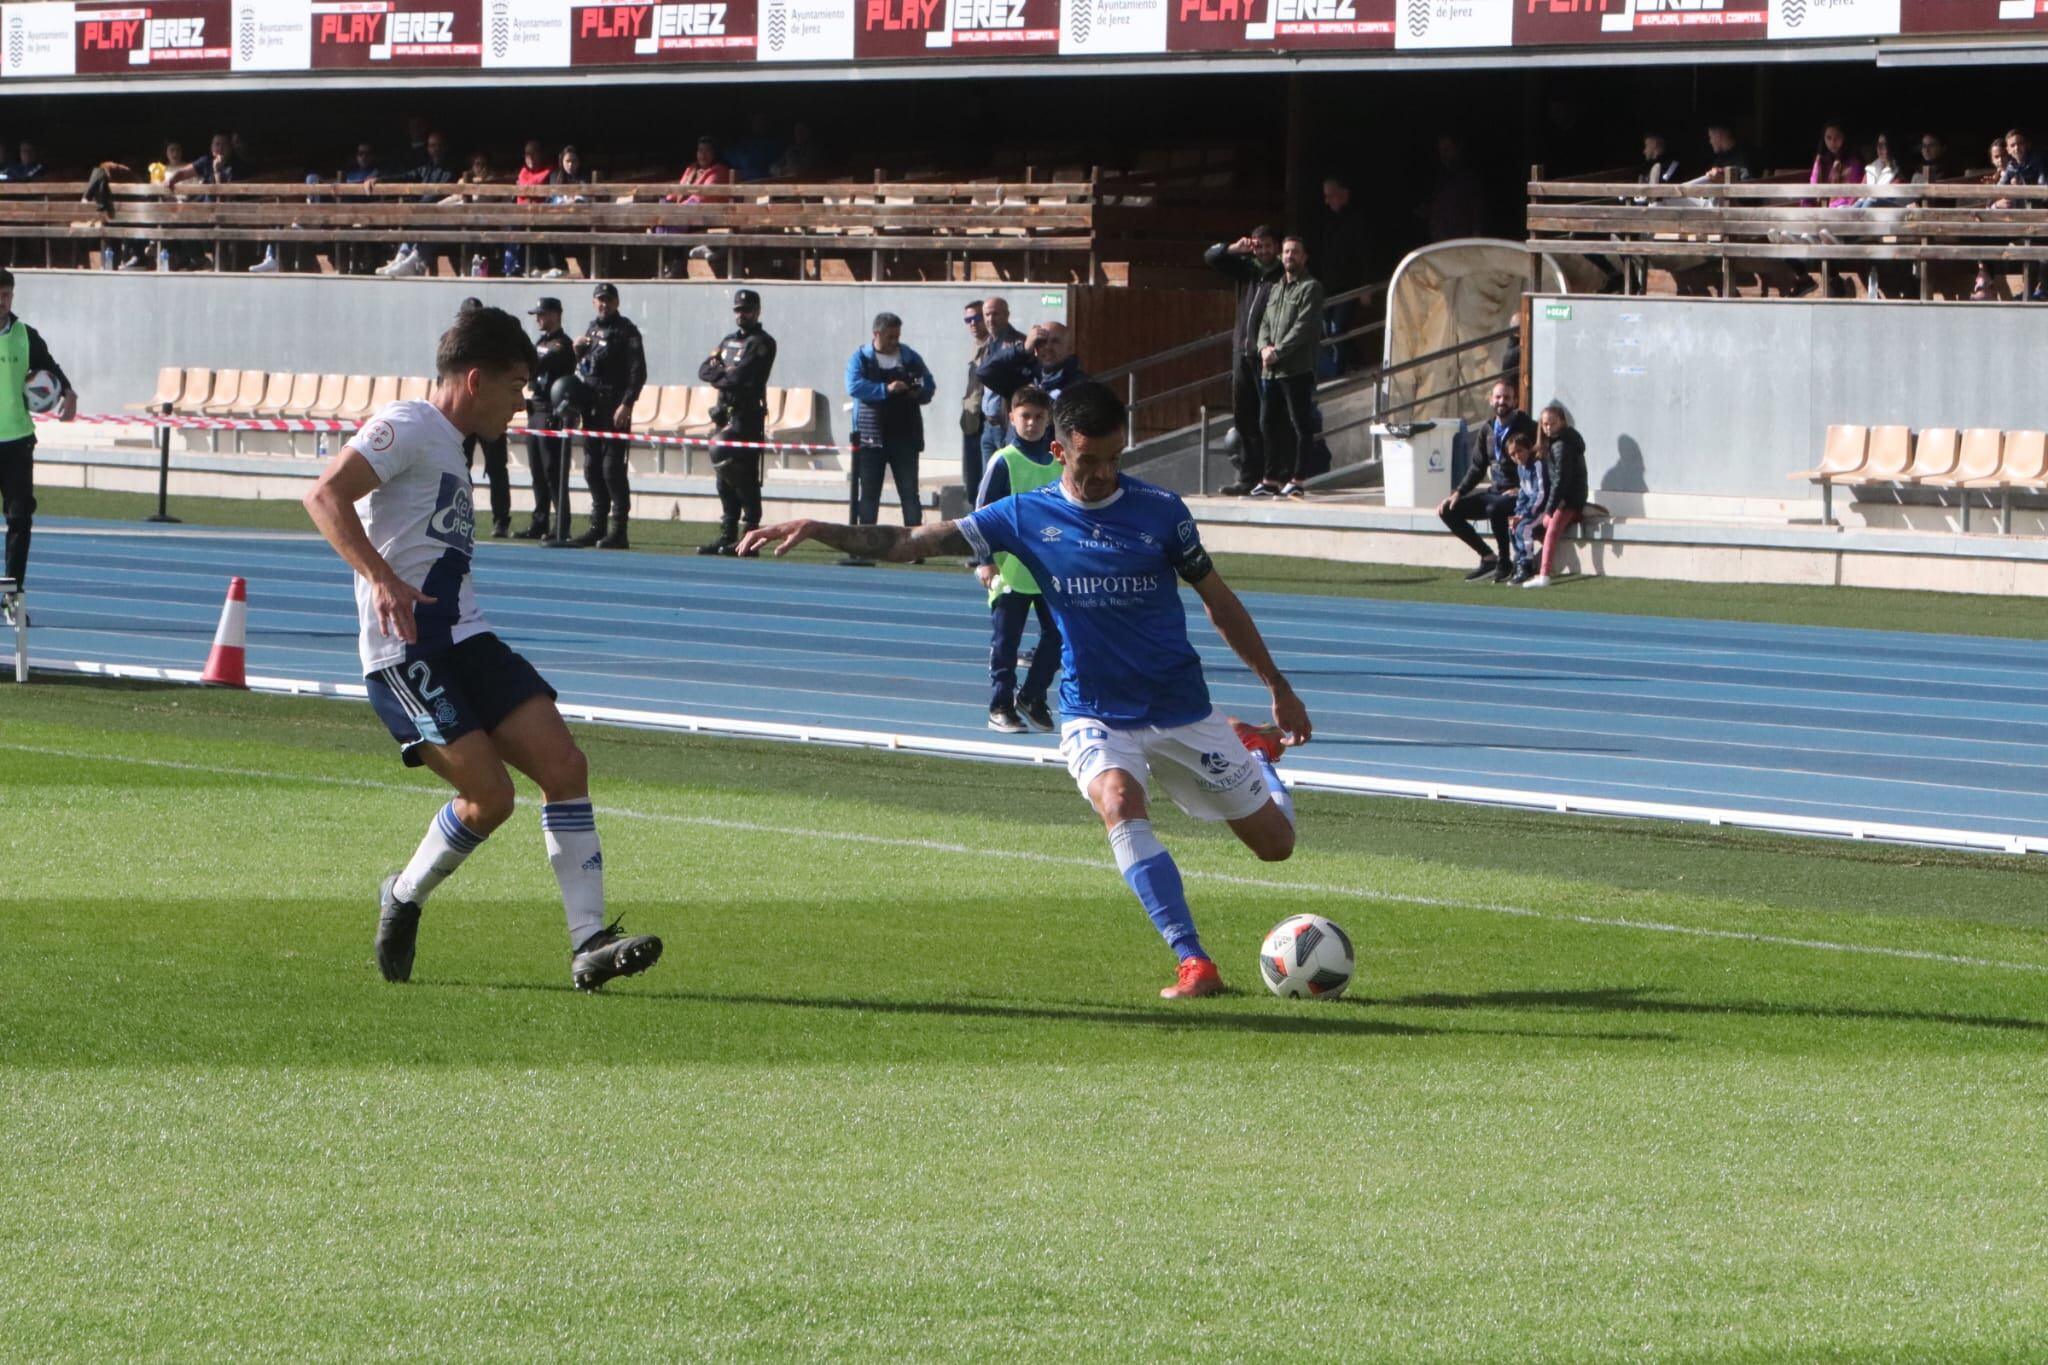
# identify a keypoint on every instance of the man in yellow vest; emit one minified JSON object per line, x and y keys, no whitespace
{"x":1013,"y":595}
{"x":22,"y":353}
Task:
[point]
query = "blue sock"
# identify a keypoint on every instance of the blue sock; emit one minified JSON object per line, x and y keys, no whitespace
{"x":1282,"y":797}
{"x":1148,"y":869}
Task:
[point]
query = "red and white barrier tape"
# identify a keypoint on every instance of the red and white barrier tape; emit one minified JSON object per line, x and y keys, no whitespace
{"x":288,"y":424}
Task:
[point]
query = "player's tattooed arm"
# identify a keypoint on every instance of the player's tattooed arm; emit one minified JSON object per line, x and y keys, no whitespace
{"x":898,"y":543}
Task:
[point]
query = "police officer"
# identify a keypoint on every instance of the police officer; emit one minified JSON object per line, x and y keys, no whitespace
{"x":739,"y":370}
{"x":497,"y":462}
{"x":545,"y":454}
{"x":611,"y":369}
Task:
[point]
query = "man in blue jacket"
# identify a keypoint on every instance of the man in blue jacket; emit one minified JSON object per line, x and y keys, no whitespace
{"x":1045,"y":358}
{"x":888,"y":383}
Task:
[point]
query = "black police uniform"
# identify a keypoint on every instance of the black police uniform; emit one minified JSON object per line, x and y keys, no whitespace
{"x":555,"y":361}
{"x":611,"y":367}
{"x":739,"y":370}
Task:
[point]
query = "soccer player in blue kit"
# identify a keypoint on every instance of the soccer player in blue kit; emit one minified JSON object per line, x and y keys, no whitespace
{"x":1110,"y":552}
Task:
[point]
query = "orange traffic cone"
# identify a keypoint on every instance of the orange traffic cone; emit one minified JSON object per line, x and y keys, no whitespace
{"x":227,"y":662}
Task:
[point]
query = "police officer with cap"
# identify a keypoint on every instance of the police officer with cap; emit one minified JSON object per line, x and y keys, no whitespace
{"x":611,"y":369}
{"x":497,"y":461}
{"x":546,"y":455}
{"x":739,"y":370}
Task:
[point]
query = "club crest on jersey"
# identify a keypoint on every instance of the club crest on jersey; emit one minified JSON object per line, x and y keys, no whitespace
{"x":454,"y":519}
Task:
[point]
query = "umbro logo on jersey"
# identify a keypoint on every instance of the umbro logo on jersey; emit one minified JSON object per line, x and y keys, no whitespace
{"x":1049,"y":533}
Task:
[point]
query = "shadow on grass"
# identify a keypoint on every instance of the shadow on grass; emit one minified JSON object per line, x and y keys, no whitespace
{"x":1333,"y":1018}
{"x":1640,"y":1000}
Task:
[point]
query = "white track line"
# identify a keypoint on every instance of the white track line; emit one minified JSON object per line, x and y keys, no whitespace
{"x":1093,"y":864}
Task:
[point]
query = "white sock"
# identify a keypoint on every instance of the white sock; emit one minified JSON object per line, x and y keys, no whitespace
{"x":1282,"y":797}
{"x":570,"y":827}
{"x":448,"y":842}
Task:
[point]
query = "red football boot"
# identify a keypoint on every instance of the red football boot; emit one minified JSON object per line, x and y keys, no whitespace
{"x":1263,"y":740}
{"x":1198,"y":977}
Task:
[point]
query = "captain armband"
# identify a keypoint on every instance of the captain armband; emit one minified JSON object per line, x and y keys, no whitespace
{"x":1195,"y":566}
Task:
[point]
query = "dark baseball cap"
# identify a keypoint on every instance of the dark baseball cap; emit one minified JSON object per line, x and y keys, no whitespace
{"x":745,"y":298}
{"x":605,"y":290}
{"x":548,"y":304}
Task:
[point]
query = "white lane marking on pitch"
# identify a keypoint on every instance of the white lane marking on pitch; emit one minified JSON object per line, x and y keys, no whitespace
{"x":1059,"y":860}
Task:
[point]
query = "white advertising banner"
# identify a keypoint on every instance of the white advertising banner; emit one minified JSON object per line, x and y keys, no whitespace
{"x":1454,"y":23}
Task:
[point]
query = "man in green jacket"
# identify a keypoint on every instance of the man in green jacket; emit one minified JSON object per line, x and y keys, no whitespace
{"x":1288,"y":332}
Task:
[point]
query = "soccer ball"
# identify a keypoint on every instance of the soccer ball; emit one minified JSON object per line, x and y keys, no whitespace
{"x":42,"y":391}
{"x":1307,"y":955}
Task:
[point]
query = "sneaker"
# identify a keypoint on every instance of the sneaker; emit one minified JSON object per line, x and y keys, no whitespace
{"x":10,"y":608}
{"x":1293,"y":489}
{"x":1503,"y":573}
{"x":610,"y":952}
{"x":398,"y":931}
{"x":1264,"y":490}
{"x":616,"y":540}
{"x":267,"y":266}
{"x":1038,"y":713}
{"x":1264,"y":740}
{"x":1541,"y":580}
{"x":1198,"y":977}
{"x":1487,"y":569}
{"x":392,"y":265}
{"x":1006,"y":719}
{"x":700,"y":253}
{"x":716,"y":547}
{"x":554,"y":272}
{"x":537,"y":529}
{"x":1235,"y":490}
{"x":408,"y":266}
{"x":589,"y":538}
{"x":501,"y":530}
{"x":134,"y":263}
{"x":1518,"y":578}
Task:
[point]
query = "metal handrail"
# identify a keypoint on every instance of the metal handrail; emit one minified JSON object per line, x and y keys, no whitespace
{"x":1188,"y":348}
{"x":1384,"y":413}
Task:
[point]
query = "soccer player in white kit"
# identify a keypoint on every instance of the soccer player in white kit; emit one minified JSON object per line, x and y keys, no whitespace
{"x":395,"y":503}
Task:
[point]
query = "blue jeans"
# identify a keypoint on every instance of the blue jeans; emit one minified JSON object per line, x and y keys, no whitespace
{"x":1007,"y":617}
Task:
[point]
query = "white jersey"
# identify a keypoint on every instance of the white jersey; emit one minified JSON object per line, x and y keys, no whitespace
{"x":421,"y":519}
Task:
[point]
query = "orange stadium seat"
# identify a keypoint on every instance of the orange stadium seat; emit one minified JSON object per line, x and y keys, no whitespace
{"x":170,"y":384}
{"x":383,"y":389}
{"x":355,"y":400}
{"x":414,"y":388}
{"x":198,"y":389}
{"x":1934,"y":454}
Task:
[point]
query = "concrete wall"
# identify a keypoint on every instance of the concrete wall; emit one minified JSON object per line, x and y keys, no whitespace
{"x":113,"y":331}
{"x":1720,"y":399}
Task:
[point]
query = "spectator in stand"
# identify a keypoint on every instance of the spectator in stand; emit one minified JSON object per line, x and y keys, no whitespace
{"x":1880,"y":170}
{"x":497,"y":460}
{"x":137,"y":257}
{"x":479,"y":173}
{"x":26,"y":166}
{"x":1288,"y":332}
{"x":801,"y":158}
{"x":1014,"y":596}
{"x":972,"y":420}
{"x":1727,"y":162}
{"x":433,"y":168}
{"x":1457,"y":201}
{"x":707,"y":169}
{"x":1659,"y":166}
{"x":534,"y":169}
{"x":1532,"y":495}
{"x":1934,"y":164}
{"x":1834,"y":164}
{"x":569,"y":172}
{"x":1342,"y":244}
{"x":219,"y":166}
{"x":1253,"y":261}
{"x":2023,"y":165}
{"x":554,"y":363}
{"x":995,"y":409}
{"x":889,"y":384}
{"x":1496,"y":502}
{"x":754,"y":155}
{"x":364,"y":172}
{"x":1563,"y":453}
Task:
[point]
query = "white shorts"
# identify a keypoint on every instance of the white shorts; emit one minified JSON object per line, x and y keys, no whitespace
{"x":1204,"y":767}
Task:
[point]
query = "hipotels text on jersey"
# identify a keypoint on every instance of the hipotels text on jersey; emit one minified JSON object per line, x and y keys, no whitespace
{"x":1107,"y":585}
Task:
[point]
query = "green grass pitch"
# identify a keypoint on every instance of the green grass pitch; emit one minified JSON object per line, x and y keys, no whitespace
{"x":901,"y":1087}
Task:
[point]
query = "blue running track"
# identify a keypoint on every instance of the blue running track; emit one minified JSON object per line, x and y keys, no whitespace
{"x":1783,"y":724}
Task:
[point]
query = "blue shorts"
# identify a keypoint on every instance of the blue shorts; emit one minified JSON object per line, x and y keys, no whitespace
{"x":469,"y":686}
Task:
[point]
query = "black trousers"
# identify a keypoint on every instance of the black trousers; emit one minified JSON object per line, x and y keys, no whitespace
{"x":868,"y":464}
{"x":739,"y":484}
{"x":1287,"y":421}
{"x":604,"y":465}
{"x":1007,"y":618}
{"x":497,"y":473}
{"x":1482,"y":504}
{"x":18,"y":501}
{"x":1246,"y":384}
{"x":544,"y":460}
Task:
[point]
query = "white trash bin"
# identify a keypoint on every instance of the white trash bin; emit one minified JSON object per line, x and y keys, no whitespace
{"x":1416,"y":458}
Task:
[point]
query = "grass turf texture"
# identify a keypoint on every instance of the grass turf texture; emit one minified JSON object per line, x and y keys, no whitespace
{"x":888,"y":1099}
{"x":1865,"y":608}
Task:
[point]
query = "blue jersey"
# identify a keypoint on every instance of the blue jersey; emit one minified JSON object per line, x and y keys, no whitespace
{"x":1111,"y":575}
